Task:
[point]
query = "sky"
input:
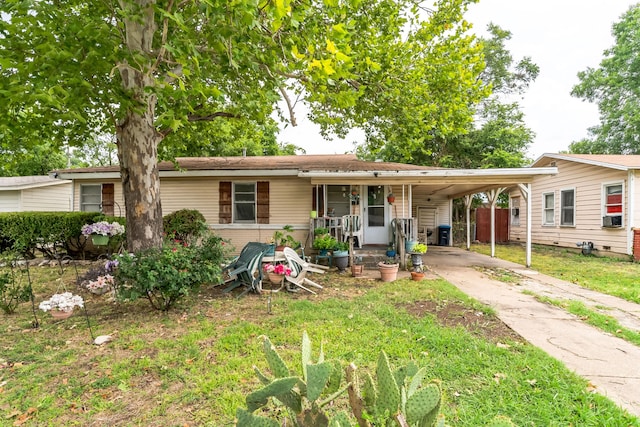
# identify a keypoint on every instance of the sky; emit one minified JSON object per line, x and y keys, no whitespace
{"x":562,"y":36}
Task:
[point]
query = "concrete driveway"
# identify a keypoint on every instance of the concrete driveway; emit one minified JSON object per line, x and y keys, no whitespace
{"x":609,"y":363}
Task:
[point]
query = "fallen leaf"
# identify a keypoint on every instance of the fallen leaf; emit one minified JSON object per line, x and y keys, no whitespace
{"x":499,"y":376}
{"x":501,"y":345}
{"x":532,"y":382}
{"x":12,"y":414}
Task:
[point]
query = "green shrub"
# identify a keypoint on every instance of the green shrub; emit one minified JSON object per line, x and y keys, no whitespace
{"x":185,"y":225}
{"x":165,"y":276}
{"x":28,"y":232}
{"x":14,"y":287}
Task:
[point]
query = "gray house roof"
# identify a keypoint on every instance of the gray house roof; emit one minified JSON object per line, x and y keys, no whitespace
{"x":14,"y":183}
{"x":332,"y":169}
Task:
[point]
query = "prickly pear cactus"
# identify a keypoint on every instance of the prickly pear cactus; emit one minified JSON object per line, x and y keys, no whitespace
{"x":388,"y":391}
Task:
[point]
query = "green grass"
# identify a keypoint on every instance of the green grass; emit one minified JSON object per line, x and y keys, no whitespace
{"x":592,"y":317}
{"x":194,"y":365}
{"x":612,"y":276}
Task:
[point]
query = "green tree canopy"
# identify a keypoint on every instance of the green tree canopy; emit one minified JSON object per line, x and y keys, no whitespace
{"x":615,"y":87}
{"x":155,"y":71}
{"x":498,"y":137}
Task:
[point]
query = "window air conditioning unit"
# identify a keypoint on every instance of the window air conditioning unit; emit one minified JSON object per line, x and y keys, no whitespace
{"x":612,"y":221}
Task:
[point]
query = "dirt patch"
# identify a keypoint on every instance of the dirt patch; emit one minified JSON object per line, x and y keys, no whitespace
{"x":452,"y":314}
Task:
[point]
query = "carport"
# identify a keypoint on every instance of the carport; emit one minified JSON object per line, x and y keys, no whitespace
{"x":445,"y":184}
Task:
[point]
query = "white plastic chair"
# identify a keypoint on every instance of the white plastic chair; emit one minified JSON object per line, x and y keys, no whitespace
{"x":352,"y":226}
{"x":300,"y":268}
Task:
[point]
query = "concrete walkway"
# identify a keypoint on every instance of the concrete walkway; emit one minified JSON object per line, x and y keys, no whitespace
{"x":609,"y":363}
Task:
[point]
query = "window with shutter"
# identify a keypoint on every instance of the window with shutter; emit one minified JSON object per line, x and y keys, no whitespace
{"x":244,"y":202}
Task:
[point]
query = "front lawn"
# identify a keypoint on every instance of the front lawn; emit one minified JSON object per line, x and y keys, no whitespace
{"x":612,"y":276}
{"x":193,"y":365}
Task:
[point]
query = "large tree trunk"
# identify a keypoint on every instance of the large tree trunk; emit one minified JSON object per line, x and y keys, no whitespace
{"x":138,"y":154}
{"x":137,"y":136}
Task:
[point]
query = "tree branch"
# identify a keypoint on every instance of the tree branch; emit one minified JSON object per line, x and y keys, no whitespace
{"x":165,"y":31}
{"x":209,"y":117}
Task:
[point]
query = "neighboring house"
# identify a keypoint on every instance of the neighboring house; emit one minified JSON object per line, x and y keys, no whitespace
{"x":593,"y":198}
{"x":35,"y":193}
{"x":249,"y":198}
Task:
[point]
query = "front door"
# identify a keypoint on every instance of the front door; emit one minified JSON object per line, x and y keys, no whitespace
{"x":376,"y":224}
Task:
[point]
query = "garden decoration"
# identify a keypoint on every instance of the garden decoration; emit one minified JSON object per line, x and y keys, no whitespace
{"x":277,"y":272}
{"x":61,"y":305}
{"x":101,"y":231}
{"x":416,"y":256}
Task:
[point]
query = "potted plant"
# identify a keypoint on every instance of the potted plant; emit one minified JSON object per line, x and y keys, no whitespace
{"x":277,"y":272}
{"x":320,"y":231}
{"x":388,"y":270}
{"x":61,"y":305}
{"x":101,"y":231}
{"x":284,"y":237}
{"x":391,"y":198}
{"x":416,"y":256}
{"x":391,"y":251}
{"x":324,"y":243}
{"x":341,"y":255}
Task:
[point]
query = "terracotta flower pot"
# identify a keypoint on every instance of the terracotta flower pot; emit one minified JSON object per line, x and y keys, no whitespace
{"x":356,"y":270}
{"x":417,"y":275}
{"x":276,"y":279}
{"x":388,"y":272}
{"x":59,"y":314}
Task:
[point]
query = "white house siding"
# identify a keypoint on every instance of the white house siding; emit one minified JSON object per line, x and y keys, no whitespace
{"x":290,"y":203}
{"x":587,"y":181}
{"x":518,"y":233}
{"x":190,"y":193}
{"x":421,"y":199}
{"x":52,"y":198}
{"x":10,"y":201}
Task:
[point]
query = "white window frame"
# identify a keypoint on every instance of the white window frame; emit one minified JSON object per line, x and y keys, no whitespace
{"x":234,"y":202}
{"x":83,"y":204}
{"x":546,"y":208}
{"x":515,"y":211}
{"x":573,"y":207}
{"x":604,"y":204}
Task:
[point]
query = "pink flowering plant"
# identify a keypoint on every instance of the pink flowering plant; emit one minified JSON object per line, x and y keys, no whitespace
{"x":103,"y":228}
{"x":277,"y":269}
{"x":101,"y":284}
{"x":65,"y":301}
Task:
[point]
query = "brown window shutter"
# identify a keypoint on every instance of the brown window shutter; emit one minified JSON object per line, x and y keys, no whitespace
{"x":263,"y":203}
{"x":317,"y":200}
{"x":225,"y":203}
{"x":108,"y":199}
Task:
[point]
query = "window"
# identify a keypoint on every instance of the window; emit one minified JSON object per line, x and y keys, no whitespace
{"x":244,"y":202}
{"x":515,"y":211}
{"x":90,"y":197}
{"x":612,"y":205}
{"x":567,"y":207}
{"x":548,"y":209}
